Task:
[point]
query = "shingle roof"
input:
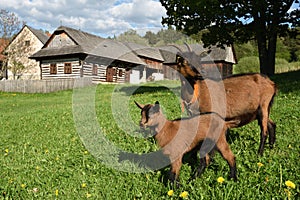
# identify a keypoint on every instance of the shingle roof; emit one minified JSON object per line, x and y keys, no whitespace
{"x":86,"y":43}
{"x":146,"y":51}
{"x":89,"y":44}
{"x":39,"y":34}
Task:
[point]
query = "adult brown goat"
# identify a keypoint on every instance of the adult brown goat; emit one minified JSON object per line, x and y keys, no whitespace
{"x":244,"y":97}
{"x":178,"y":137}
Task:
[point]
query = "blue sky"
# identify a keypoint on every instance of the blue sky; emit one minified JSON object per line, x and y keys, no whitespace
{"x":101,"y":17}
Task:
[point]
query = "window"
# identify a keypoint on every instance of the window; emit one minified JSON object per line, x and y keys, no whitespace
{"x":95,"y":70}
{"x":68,"y":68}
{"x":27,"y":43}
{"x":120,"y":73}
{"x":53,"y":68}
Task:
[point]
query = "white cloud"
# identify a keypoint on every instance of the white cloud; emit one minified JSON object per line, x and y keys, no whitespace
{"x":105,"y":17}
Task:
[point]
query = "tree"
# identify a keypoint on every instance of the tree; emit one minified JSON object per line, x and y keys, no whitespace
{"x":232,"y":21}
{"x":151,"y":37}
{"x":132,"y":36}
{"x":9,"y":24}
{"x":17,"y":54}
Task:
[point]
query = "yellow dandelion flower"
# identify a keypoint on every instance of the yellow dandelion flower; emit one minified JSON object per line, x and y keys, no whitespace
{"x":259,"y":164}
{"x":46,"y":151}
{"x":6,"y":150}
{"x":83,"y":185}
{"x":220,"y":179}
{"x":290,"y":184}
{"x":86,"y":152}
{"x":23,"y":185}
{"x":37,"y":167}
{"x":56,"y":192}
{"x":184,"y":194}
{"x":170,"y":192}
{"x":88,"y":195}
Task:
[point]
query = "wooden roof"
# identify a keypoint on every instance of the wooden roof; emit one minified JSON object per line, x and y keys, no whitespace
{"x":40,"y":34}
{"x":146,"y":51}
{"x":88,"y":44}
{"x":95,"y":46}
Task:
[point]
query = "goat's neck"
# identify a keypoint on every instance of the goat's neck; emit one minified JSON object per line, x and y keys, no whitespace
{"x":161,"y":122}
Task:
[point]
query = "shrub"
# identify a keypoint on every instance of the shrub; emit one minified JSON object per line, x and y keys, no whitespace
{"x":246,"y":65}
{"x":281,"y":65}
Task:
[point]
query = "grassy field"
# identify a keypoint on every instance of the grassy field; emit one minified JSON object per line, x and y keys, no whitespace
{"x":48,"y":147}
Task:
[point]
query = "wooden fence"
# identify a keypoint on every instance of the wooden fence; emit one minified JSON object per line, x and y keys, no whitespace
{"x":43,"y":86}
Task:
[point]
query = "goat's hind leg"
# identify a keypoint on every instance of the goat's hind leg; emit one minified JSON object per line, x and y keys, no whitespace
{"x":202,"y":165}
{"x":263,"y":119}
{"x":272,"y":132}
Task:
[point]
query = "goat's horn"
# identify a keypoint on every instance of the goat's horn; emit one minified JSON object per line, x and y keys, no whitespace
{"x":188,"y":47}
{"x":141,"y":106}
{"x":177,"y":47}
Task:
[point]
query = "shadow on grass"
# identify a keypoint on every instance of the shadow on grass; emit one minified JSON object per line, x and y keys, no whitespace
{"x":133,"y":90}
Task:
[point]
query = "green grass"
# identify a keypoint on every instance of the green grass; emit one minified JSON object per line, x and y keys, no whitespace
{"x":43,"y":157}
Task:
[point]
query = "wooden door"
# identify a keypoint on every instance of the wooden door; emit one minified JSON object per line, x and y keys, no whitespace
{"x":110,"y":72}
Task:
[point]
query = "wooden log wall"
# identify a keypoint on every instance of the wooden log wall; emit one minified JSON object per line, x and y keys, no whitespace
{"x":102,"y":72}
{"x":76,"y":70}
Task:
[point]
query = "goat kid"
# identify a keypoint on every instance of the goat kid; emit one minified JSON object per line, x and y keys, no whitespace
{"x":244,"y":97}
{"x":203,"y":133}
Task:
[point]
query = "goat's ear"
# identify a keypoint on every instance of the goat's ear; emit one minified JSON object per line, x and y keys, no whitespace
{"x":141,"y":106}
{"x":179,"y":60}
{"x":156,"y":106}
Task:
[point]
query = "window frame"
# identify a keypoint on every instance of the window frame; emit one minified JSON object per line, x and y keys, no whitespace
{"x":95,"y":70}
{"x":53,"y":68}
{"x":68,"y":68}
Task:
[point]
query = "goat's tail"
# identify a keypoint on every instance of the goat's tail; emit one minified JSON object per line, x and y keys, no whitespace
{"x":274,"y":94}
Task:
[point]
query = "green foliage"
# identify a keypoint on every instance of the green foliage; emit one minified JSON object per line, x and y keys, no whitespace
{"x":251,"y":64}
{"x":43,"y":157}
{"x":133,"y":37}
{"x":246,"y":65}
{"x":230,"y":22}
{"x":16,"y":68}
{"x":245,"y":50}
{"x":282,"y":50}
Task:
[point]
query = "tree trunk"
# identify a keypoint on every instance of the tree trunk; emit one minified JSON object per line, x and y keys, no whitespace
{"x":272,"y":36}
{"x":261,"y":38}
{"x":271,"y":53}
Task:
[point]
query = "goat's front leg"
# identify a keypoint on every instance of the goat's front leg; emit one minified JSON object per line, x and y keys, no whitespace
{"x":174,"y":172}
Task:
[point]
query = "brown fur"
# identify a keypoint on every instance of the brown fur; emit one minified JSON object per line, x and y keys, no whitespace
{"x":178,"y":137}
{"x":241,"y":97}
